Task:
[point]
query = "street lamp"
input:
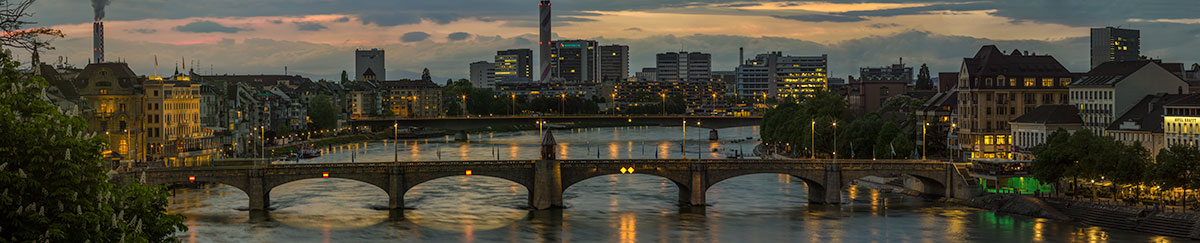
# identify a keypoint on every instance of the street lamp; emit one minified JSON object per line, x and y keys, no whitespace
{"x":540,"y":123}
{"x":948,"y":153}
{"x":924,"y":150}
{"x":699,"y":150}
{"x":514,"y":104}
{"x":564,"y":103}
{"x":663,"y":104}
{"x":395,"y":146}
{"x":835,"y":140}
{"x":464,"y":105}
{"x":683,"y":142}
{"x":812,"y":134}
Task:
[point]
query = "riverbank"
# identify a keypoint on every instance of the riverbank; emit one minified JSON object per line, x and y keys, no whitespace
{"x":1145,"y":220}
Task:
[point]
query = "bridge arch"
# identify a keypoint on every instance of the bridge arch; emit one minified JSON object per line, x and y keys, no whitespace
{"x":378,"y":181}
{"x":240,"y":185}
{"x":814,"y":181}
{"x":412,"y":179}
{"x":682,"y":180}
{"x":932,"y":182}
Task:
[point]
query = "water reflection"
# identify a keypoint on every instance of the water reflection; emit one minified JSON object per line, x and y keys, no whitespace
{"x":611,"y":208}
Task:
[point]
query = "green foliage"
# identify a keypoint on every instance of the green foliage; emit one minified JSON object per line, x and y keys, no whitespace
{"x":321,"y":113}
{"x":425,"y":75}
{"x":1178,"y":166}
{"x":345,"y":77}
{"x":924,"y":81}
{"x":54,"y":186}
{"x":1083,"y":155}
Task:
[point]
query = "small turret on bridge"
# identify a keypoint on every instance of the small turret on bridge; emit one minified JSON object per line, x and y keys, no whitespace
{"x":548,"y":177}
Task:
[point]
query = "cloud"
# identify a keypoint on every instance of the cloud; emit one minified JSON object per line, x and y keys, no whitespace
{"x":142,"y":31}
{"x":342,"y":20}
{"x":456,"y":36}
{"x":884,"y":25}
{"x":205,"y":26}
{"x":633,"y":29}
{"x":310,"y":26}
{"x":414,"y":36}
{"x":276,"y":21}
{"x":822,"y":18}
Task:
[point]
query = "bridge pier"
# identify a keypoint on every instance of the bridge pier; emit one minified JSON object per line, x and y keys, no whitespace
{"x":461,"y":136}
{"x":712,"y":135}
{"x":547,"y":177}
{"x":395,"y":190}
{"x":260,"y":195}
{"x":694,"y":194}
{"x":833,"y":186}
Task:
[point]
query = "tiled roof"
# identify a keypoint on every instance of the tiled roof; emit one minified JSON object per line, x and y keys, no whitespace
{"x":1051,"y":114}
{"x":1147,"y":114}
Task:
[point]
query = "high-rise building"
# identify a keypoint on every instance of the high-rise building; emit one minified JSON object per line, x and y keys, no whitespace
{"x":684,"y":66}
{"x":483,"y":74}
{"x":1115,"y":44}
{"x":514,"y":65}
{"x":775,"y":75}
{"x":575,"y":60}
{"x":372,"y":60}
{"x":614,"y":62}
{"x":995,"y":88}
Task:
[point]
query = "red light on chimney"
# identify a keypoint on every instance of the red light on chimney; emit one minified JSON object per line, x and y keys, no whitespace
{"x":325,"y":175}
{"x":468,"y":172}
{"x":191,"y":178}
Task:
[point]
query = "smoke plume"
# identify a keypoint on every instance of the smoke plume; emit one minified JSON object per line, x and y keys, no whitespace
{"x":98,"y":6}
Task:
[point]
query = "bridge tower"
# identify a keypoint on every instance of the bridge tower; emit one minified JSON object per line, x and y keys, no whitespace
{"x":547,"y":173}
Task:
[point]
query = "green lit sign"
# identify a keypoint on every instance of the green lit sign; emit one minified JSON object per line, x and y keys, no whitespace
{"x":570,"y":45}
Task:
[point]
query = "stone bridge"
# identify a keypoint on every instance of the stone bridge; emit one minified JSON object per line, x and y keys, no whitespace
{"x":547,"y":178}
{"x":467,"y":123}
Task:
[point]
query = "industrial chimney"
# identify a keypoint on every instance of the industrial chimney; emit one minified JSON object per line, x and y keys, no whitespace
{"x":544,"y":39}
{"x":98,"y":41}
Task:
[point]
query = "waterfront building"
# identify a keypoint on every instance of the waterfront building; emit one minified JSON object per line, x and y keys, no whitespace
{"x":1115,"y":44}
{"x":363,"y":99}
{"x":1033,"y":127}
{"x":1144,"y":122}
{"x":372,"y":60}
{"x":778,"y":76}
{"x":512,"y":65}
{"x":174,"y":132}
{"x":1181,"y":121}
{"x":995,"y":88}
{"x":1112,"y":88}
{"x":114,"y":107}
{"x":412,"y":98}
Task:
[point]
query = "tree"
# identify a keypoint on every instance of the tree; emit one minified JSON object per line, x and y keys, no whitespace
{"x":924,"y":81}
{"x":425,"y":75}
{"x":1055,"y":158}
{"x":17,"y":36}
{"x":345,"y":77}
{"x":54,"y":186}
{"x":321,"y":113}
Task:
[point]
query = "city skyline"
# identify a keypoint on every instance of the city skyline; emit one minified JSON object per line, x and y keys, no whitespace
{"x":446,"y":38}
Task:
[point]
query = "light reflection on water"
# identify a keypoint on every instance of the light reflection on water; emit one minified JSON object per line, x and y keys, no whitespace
{"x":612,"y":208}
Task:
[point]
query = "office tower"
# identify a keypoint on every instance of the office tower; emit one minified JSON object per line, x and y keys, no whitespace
{"x":574,"y":60}
{"x":775,"y":75}
{"x":614,"y":62}
{"x":514,"y":65}
{"x":1115,"y":44}
{"x":482,"y":74}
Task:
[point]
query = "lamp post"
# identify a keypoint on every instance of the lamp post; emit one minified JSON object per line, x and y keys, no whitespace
{"x":663,"y":104}
{"x":540,"y":123}
{"x":564,"y":104}
{"x":514,"y":104}
{"x":395,"y":146}
{"x":948,"y":153}
{"x":835,"y":140}
{"x":683,"y":142}
{"x":464,"y":105}
{"x":812,"y":134}
{"x":699,"y":150}
{"x":924,"y":145}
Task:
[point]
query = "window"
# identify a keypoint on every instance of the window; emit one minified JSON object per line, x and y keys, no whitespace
{"x":1012,"y":82}
{"x":1029,"y":82}
{"x":1047,"y":82}
{"x":883,"y":91}
{"x":989,"y":111}
{"x":1065,"y":81}
{"x":989,"y":140}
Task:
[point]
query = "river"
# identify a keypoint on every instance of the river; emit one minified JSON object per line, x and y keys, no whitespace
{"x":614,"y":208}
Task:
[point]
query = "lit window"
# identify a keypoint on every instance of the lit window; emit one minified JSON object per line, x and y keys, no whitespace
{"x":1047,"y":82}
{"x":1029,"y":82}
{"x":989,"y":140}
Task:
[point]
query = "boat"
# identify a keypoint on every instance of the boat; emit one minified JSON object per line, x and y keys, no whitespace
{"x":309,"y":152}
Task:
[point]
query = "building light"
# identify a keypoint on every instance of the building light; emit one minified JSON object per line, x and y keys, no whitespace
{"x":191,"y":178}
{"x":325,"y":175}
{"x":468,"y":172}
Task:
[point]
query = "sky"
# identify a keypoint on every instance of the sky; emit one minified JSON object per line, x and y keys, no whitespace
{"x":317,"y":38}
